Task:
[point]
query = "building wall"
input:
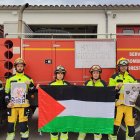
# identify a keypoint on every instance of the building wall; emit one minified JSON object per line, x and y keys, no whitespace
{"x":123,"y":18}
{"x":93,"y":17}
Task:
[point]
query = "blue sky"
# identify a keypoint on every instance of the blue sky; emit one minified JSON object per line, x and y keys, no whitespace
{"x":69,"y":2}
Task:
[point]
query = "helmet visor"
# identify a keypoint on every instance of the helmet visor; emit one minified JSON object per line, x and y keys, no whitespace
{"x":123,"y":62}
{"x":60,"y":69}
{"x":96,"y":68}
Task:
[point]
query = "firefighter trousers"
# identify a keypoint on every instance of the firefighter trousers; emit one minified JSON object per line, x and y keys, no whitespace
{"x":20,"y":114}
{"x":128,"y":113}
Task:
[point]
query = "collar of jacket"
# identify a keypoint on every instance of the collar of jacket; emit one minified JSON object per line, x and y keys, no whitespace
{"x":19,"y":74}
{"x":125,"y":74}
{"x":98,"y":80}
{"x":59,"y":80}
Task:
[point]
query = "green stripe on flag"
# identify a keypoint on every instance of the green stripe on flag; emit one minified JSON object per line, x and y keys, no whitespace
{"x":79,"y":124}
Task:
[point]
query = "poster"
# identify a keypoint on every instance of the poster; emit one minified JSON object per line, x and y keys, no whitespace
{"x":18,"y":93}
{"x":101,"y":52}
{"x":131,"y":92}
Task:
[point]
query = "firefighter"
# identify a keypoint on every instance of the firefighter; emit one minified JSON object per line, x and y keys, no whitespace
{"x":21,"y":112}
{"x":2,"y":102}
{"x":1,"y":86}
{"x":59,"y":73}
{"x":96,"y":81}
{"x":117,"y":80}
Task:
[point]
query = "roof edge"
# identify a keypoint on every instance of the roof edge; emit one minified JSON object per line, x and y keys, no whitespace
{"x":73,"y":7}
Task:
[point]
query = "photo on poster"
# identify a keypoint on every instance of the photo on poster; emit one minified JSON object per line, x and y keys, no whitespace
{"x":18,"y":93}
{"x":131,"y":92}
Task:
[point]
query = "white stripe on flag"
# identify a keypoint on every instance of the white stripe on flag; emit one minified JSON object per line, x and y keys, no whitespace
{"x":88,"y":109}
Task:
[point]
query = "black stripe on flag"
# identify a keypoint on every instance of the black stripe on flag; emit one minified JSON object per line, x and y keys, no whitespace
{"x":82,"y":93}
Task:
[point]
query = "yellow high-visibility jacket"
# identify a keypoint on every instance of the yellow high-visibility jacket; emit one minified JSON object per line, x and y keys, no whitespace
{"x":98,"y":83}
{"x":59,"y":82}
{"x":119,"y":78}
{"x":19,"y":77}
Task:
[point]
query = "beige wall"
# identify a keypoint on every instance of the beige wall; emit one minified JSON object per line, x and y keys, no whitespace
{"x":93,"y":17}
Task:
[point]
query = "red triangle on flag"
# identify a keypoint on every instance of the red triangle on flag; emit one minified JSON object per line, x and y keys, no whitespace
{"x":49,"y":108}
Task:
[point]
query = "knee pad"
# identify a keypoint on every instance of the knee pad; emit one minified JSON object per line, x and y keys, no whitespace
{"x":81,"y":136}
{"x":131,"y":131}
{"x":11,"y":127}
{"x":23,"y":126}
{"x":64,"y":132}
{"x":54,"y":134}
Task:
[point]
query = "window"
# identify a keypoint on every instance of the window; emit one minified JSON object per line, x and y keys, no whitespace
{"x":128,"y":31}
{"x":65,"y":29}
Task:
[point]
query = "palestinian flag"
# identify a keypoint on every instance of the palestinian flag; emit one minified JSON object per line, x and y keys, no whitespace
{"x":76,"y":109}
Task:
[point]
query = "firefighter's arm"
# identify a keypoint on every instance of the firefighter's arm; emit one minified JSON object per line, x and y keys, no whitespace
{"x":2,"y":94}
{"x":117,"y":84}
{"x":7,"y":91}
{"x":31,"y":87}
{"x":112,"y":82}
{"x":7,"y":94}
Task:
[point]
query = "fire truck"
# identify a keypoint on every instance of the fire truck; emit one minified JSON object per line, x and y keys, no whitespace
{"x":42,"y":55}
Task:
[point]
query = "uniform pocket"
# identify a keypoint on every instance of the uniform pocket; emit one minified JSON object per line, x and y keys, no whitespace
{"x":27,"y":111}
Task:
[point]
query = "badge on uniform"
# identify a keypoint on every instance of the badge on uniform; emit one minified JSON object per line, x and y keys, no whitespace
{"x":18,"y":93}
